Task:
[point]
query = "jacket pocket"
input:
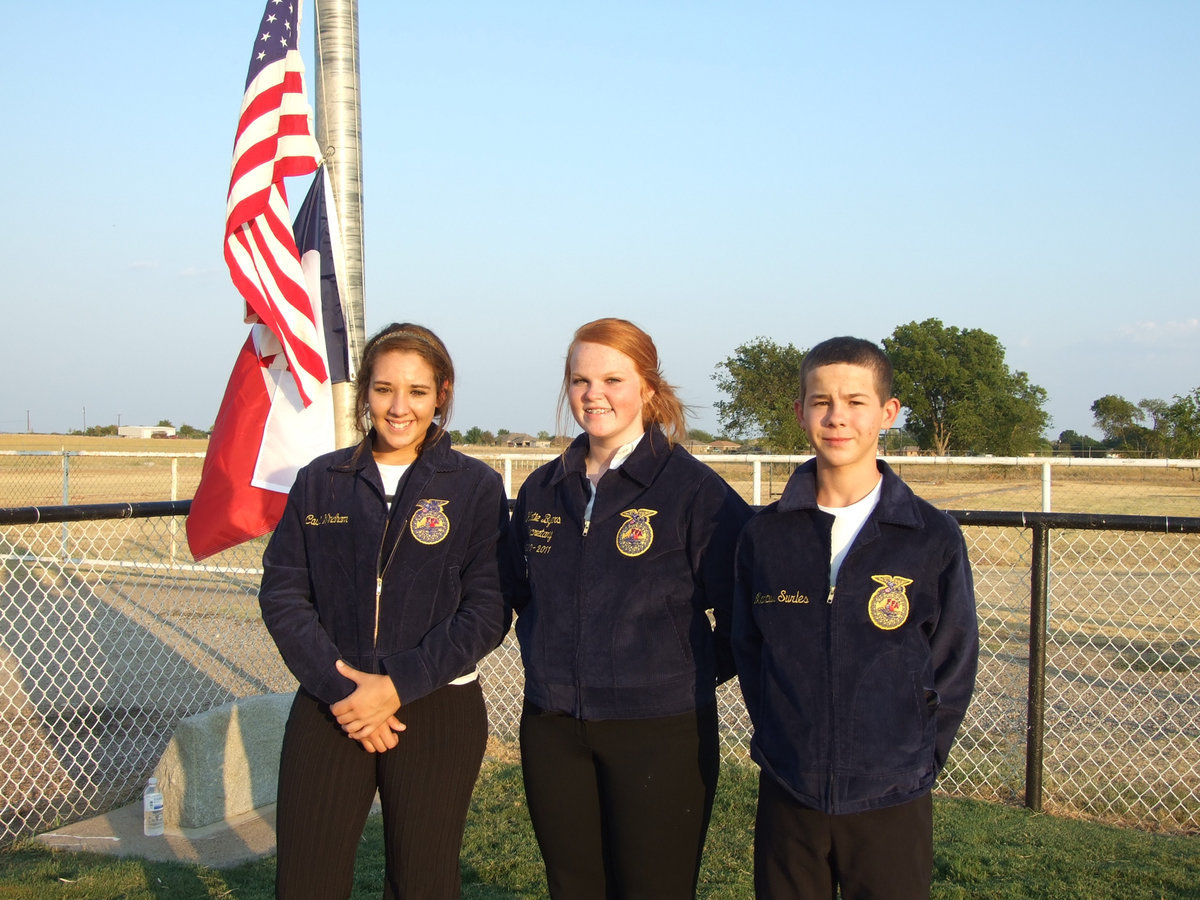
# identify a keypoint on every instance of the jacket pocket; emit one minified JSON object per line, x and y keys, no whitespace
{"x":652,"y":638}
{"x":892,"y":723}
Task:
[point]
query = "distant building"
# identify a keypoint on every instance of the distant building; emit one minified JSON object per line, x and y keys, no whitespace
{"x":721,"y":447}
{"x":146,"y":431}
{"x":518,"y":439}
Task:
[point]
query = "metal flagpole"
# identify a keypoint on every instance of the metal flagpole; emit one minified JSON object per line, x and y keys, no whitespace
{"x":339,"y":134}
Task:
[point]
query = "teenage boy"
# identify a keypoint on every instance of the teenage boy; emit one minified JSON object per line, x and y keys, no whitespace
{"x":856,"y":643}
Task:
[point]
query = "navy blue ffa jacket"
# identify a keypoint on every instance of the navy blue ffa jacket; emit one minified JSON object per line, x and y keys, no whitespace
{"x":613,"y":620}
{"x":414,"y":595}
{"x":856,"y":690}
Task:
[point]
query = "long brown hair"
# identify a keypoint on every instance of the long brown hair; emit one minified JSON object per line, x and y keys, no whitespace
{"x":663,"y":408}
{"x":407,"y":338}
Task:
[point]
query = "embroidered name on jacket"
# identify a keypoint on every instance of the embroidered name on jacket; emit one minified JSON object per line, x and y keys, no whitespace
{"x":781,"y":597}
{"x":327,"y":519}
{"x":540,"y":528}
{"x":635,"y":536}
{"x":430,"y":524}
{"x":888,"y":606}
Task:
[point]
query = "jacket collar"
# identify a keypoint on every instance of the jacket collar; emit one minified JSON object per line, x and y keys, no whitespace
{"x":642,"y":464}
{"x":897,"y":503}
{"x":436,"y":455}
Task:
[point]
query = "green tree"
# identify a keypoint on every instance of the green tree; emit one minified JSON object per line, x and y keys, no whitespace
{"x":1184,"y":415}
{"x":456,"y":436}
{"x":699,"y":436}
{"x":761,"y":381}
{"x":1075,"y":444}
{"x":959,"y":393}
{"x":543,"y":435}
{"x":1158,"y":435}
{"x":164,"y":423}
{"x":474,"y":435}
{"x":189,"y":431}
{"x":1117,"y":418}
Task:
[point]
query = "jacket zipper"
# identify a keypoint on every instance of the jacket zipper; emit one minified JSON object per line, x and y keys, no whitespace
{"x":378,"y":594}
{"x":587,"y":524}
{"x":382,"y":566}
{"x":833,"y":686}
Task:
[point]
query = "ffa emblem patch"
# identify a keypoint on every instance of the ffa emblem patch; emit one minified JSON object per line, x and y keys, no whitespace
{"x":635,"y":536}
{"x":430,"y":524}
{"x":888,"y":606}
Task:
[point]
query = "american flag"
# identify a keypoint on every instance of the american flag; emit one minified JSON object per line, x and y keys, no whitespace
{"x":274,"y":141}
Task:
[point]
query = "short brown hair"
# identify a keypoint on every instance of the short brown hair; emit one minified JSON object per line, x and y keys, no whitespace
{"x":851,"y":351}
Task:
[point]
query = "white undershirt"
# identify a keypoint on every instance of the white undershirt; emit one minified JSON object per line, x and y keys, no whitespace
{"x":391,"y":475}
{"x":619,"y":457}
{"x":847,"y":523}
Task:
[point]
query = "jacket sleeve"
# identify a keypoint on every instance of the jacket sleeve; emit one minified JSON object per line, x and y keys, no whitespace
{"x":479,"y":622}
{"x":955,"y":647}
{"x":747,"y":639}
{"x":286,"y":600}
{"x":514,"y":571}
{"x":718,"y":514}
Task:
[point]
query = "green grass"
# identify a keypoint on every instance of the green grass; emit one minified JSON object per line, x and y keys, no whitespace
{"x":982,"y":850}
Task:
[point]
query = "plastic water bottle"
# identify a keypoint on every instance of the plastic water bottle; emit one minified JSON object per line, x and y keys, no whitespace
{"x":152,"y":809}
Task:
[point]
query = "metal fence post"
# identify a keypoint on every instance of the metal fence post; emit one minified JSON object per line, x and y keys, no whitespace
{"x":65,"y":538}
{"x":1035,"y":718}
{"x":174,"y":523}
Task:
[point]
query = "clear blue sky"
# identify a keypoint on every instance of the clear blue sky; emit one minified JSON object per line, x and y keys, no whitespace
{"x":714,"y":171}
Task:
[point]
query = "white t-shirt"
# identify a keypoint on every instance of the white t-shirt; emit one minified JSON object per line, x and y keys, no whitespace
{"x":391,"y":476}
{"x":847,"y":523}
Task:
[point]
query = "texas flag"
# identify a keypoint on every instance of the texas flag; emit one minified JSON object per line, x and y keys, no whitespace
{"x":263,"y":432}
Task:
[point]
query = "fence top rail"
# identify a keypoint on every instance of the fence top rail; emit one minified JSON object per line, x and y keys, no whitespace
{"x":796,"y":459}
{"x":180,"y":454}
{"x":1067,"y":461}
{"x":1078,"y":521}
{"x":33,"y":515}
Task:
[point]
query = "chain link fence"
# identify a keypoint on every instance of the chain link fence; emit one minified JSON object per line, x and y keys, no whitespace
{"x":110,"y":634}
{"x":53,"y":477}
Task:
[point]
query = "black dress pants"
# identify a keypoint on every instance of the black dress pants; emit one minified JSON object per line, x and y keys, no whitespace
{"x":327,"y":782}
{"x":804,"y":853}
{"x":620,"y":807}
